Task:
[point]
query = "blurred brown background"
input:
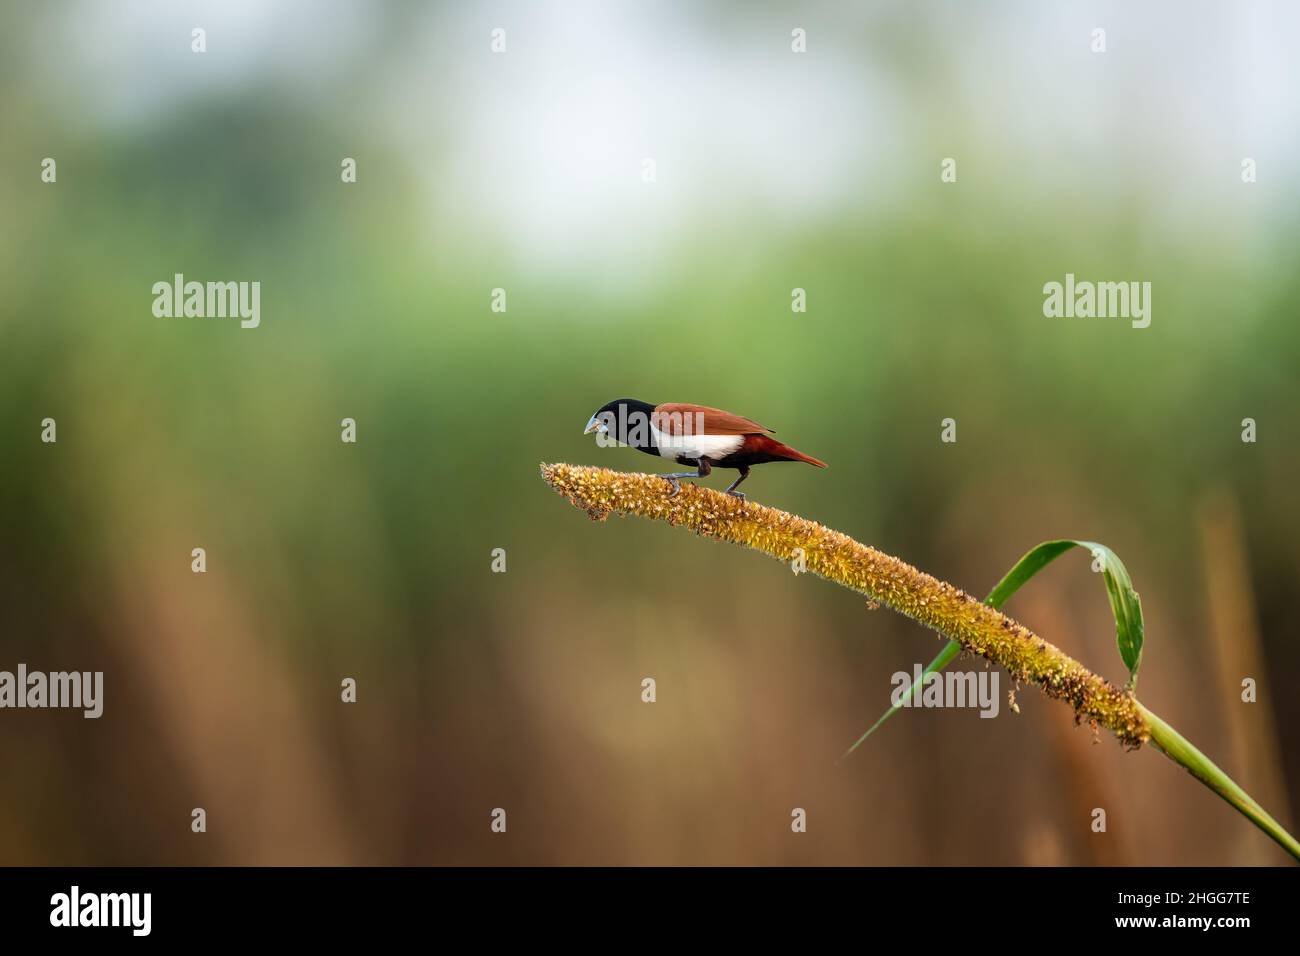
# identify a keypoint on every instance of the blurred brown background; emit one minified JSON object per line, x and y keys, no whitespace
{"x":523,"y":171}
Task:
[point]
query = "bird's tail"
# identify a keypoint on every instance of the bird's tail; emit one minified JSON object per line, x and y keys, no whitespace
{"x":792,"y":454}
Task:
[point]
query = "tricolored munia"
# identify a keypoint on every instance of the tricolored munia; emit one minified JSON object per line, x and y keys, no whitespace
{"x":696,"y":435}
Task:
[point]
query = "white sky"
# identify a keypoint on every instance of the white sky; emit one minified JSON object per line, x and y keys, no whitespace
{"x":542,"y":147}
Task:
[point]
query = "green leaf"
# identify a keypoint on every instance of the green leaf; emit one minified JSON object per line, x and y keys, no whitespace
{"x":1124,"y":604}
{"x":950,"y":650}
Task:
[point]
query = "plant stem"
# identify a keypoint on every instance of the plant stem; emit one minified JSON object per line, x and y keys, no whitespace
{"x":952,"y":612}
{"x":883,"y":578}
{"x":1181,"y":751}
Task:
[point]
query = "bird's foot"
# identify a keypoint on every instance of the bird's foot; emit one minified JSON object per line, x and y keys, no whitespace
{"x":672,"y":480}
{"x":737,"y":494}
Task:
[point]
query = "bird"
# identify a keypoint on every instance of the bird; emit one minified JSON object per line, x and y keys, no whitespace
{"x":695,"y":435}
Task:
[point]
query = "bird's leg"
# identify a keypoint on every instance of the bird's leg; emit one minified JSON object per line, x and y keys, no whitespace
{"x":744,"y":473}
{"x":672,"y":480}
{"x":702,"y":469}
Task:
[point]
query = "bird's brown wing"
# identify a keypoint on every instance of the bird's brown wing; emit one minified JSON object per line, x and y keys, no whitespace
{"x":677,"y":418}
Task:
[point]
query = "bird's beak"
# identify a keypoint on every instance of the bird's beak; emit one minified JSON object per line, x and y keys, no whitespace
{"x":593,"y":426}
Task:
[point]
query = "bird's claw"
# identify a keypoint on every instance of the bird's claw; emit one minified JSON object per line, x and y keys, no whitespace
{"x":737,"y":494}
{"x":675,"y":483}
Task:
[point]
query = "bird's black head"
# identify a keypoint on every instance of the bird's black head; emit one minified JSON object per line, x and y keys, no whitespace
{"x":624,"y":421}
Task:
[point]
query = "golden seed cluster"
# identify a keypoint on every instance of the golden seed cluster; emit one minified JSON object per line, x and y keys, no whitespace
{"x":882,"y":578}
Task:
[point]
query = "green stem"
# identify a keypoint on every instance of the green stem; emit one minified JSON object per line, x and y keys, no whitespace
{"x":977,"y":626}
{"x":1178,"y":749}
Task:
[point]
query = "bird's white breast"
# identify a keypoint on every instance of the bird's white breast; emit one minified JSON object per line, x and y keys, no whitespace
{"x":713,"y":447}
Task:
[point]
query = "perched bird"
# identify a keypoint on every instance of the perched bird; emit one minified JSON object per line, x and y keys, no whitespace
{"x":694,"y":435}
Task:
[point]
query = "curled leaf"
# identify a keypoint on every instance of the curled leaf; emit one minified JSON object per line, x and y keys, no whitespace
{"x":1124,"y":604}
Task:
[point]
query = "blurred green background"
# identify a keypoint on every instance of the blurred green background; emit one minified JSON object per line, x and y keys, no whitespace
{"x":523,"y":171}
